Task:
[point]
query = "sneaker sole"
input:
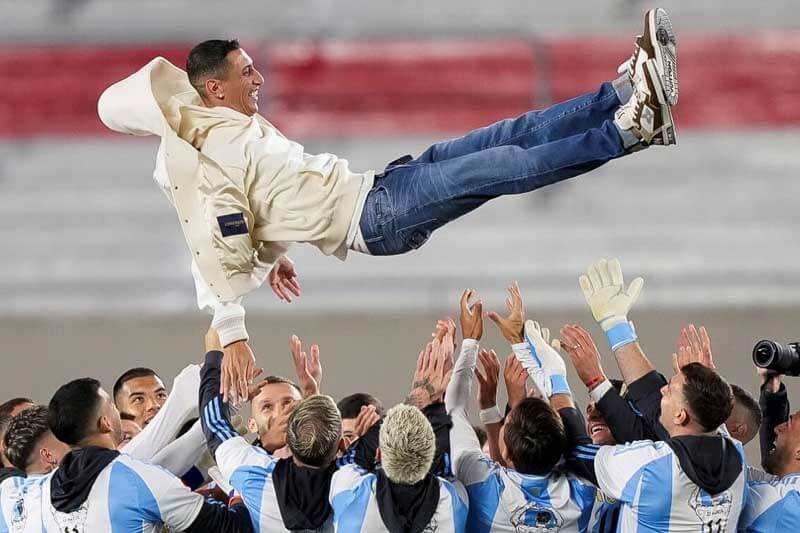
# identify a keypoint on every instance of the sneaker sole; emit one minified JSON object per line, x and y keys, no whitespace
{"x":668,"y":124}
{"x":663,"y":47}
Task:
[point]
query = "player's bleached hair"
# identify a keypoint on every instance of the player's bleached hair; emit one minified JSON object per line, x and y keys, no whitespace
{"x":314,"y":430}
{"x":407,"y":445}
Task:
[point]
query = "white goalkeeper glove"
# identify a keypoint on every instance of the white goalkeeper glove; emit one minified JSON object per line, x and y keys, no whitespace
{"x":549,"y":360}
{"x":610,"y":302}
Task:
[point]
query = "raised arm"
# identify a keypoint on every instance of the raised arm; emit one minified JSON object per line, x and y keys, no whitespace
{"x":308,"y":368}
{"x":180,"y":407}
{"x":625,"y":423}
{"x":610,"y":302}
{"x":774,"y":403}
{"x":491,"y":417}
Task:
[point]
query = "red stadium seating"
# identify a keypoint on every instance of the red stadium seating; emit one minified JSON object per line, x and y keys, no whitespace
{"x":364,"y":88}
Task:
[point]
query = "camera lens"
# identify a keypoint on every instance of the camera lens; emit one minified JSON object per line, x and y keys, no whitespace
{"x":779,"y":358}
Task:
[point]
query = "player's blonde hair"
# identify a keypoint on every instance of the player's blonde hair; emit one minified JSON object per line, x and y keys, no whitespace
{"x":314,"y":430}
{"x":407,"y":445}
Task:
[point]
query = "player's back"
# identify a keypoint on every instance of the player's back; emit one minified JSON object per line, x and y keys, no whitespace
{"x":504,"y":500}
{"x":773,"y":504}
{"x":20,"y":503}
{"x":687,"y":485}
{"x":106,"y":491}
{"x":364,"y":504}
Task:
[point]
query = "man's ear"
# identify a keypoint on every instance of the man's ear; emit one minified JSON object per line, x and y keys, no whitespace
{"x":104,"y":425}
{"x":378,"y":455}
{"x":682,"y":417}
{"x":214,"y":89}
{"x":252,"y":427}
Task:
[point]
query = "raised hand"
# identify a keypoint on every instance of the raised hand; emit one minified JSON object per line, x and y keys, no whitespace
{"x":277,"y":426}
{"x":580,"y":347}
{"x":283,"y":280}
{"x":471,"y":316}
{"x":511,"y":325}
{"x":515,"y":377}
{"x":487,"y":381}
{"x":605,"y":292}
{"x":548,"y":356}
{"x":238,"y":371}
{"x":432,"y":374}
{"x":694,"y":346}
{"x":367,"y":417}
{"x":308,"y":369}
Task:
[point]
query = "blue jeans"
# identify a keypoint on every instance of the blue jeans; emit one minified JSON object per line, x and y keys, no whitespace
{"x":411,"y":199}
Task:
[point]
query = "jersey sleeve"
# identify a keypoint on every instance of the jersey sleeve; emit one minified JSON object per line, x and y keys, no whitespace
{"x":619,"y":467}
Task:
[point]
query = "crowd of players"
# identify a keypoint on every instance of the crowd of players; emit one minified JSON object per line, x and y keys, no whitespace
{"x":652,"y":454}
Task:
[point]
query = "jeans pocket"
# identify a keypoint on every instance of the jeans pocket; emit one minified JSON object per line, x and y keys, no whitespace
{"x":418,"y":234}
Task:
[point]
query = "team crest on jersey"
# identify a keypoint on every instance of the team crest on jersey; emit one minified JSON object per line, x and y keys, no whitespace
{"x":713,"y":511}
{"x":536,"y":518}
{"x":74,"y":522}
{"x":19,"y":516}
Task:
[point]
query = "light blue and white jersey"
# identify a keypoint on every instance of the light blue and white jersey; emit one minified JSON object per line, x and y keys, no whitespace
{"x":19,"y":504}
{"x":128,"y":495}
{"x":249,"y":470}
{"x":773,"y":504}
{"x":503,"y":500}
{"x":605,"y":514}
{"x":355,"y":507}
{"x":656,"y":494}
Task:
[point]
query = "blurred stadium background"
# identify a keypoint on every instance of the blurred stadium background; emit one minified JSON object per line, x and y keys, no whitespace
{"x":95,"y":273}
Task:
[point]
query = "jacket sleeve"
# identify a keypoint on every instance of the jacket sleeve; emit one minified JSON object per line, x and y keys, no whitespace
{"x":624,"y":421}
{"x":775,"y":411}
{"x":218,"y":518}
{"x":441,"y":422}
{"x":645,"y":393}
{"x":228,"y":316}
{"x":363,"y":451}
{"x":580,"y":450}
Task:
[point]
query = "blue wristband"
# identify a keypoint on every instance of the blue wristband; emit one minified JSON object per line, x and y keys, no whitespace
{"x":559,"y":385}
{"x":620,"y":335}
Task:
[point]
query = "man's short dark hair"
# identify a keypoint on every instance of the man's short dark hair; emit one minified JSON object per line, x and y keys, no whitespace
{"x":209,"y":59}
{"x":707,"y":395}
{"x":749,"y":404}
{"x":23,"y":433}
{"x":7,"y":407}
{"x":73,"y":409}
{"x":350,"y":406}
{"x":280,"y":380}
{"x":535,"y":437}
{"x":133,"y":373}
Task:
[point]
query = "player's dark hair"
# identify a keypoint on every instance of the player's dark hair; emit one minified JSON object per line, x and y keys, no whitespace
{"x":133,"y":373}
{"x":209,"y":59}
{"x":350,"y":406}
{"x":535,"y":437}
{"x":13,"y":403}
{"x":73,"y":409}
{"x":707,"y":395}
{"x":278,"y":380}
{"x":24,"y":431}
{"x":750,"y":405}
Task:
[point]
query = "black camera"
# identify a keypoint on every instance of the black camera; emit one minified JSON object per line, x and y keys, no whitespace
{"x":777,"y":357}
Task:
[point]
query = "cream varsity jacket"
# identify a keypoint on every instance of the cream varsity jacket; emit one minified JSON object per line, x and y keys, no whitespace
{"x":242,"y":191}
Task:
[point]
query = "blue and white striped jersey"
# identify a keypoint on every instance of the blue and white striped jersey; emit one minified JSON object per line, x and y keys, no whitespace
{"x":503,"y":500}
{"x":657,"y":495}
{"x":249,"y":470}
{"x":126,"y":496}
{"x":17,"y":496}
{"x":773,"y":504}
{"x":605,"y":514}
{"x":355,"y":506}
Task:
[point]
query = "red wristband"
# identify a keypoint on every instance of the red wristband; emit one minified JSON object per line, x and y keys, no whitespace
{"x":595,"y":381}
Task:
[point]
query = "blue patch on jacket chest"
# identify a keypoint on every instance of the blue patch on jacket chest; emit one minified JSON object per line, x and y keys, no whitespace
{"x":233,"y":224}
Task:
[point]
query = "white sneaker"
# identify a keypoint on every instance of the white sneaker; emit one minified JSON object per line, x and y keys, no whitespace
{"x":647,"y":114}
{"x":657,"y":42}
